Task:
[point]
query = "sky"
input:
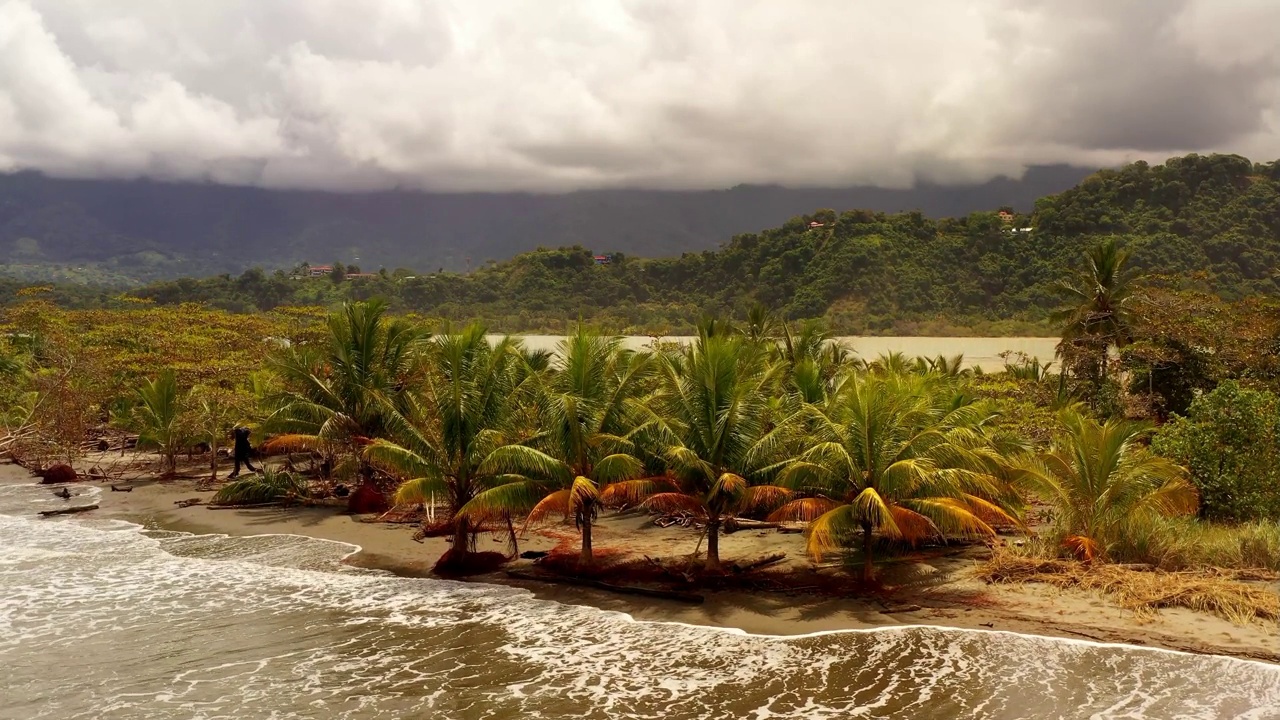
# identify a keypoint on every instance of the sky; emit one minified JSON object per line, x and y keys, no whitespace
{"x":554,"y":95}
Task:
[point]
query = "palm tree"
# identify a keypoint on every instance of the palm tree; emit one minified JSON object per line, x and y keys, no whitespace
{"x":896,"y":455}
{"x":712,"y":433}
{"x":158,"y":418}
{"x":1096,"y":312}
{"x":588,"y":406}
{"x":439,"y":434}
{"x":214,"y":413}
{"x":1100,"y":479}
{"x":336,"y":398}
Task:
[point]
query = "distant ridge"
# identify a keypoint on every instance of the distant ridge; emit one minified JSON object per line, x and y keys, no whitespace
{"x":142,"y":229}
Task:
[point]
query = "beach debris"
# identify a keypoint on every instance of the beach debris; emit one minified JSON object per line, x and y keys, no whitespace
{"x":368,"y":498}
{"x":1225,"y":593}
{"x":188,"y":502}
{"x":766,"y":561}
{"x":70,"y":510}
{"x":63,"y":493}
{"x":121,"y":488}
{"x":58,"y":474}
{"x":988,"y":625}
{"x":681,"y":518}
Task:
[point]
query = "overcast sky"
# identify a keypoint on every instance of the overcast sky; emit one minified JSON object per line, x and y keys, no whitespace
{"x":557,"y":95}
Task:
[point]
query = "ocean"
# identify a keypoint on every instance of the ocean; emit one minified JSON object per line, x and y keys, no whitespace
{"x":108,"y":619}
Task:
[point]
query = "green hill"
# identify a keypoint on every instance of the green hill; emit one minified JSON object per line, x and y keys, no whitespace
{"x":1215,"y":218}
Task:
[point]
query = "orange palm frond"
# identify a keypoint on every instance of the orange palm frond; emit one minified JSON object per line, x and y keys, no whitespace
{"x":912,"y":527}
{"x":669,"y":502}
{"x":763,"y":498}
{"x":557,"y":503}
{"x":804,"y":509}
{"x":633,"y":492}
{"x":1084,"y":548}
{"x":282,"y":444}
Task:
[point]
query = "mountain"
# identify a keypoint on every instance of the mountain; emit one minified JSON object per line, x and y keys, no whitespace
{"x":1214,"y":220}
{"x":117,"y":230}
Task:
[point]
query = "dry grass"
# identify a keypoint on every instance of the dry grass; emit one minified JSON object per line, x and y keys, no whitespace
{"x":1145,"y":592}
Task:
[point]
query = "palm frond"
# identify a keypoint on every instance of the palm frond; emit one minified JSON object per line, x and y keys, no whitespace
{"x":804,"y":510}
{"x":670,"y":502}
{"x":634,"y":492}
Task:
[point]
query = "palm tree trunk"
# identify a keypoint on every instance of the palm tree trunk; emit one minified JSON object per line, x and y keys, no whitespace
{"x":461,"y":537}
{"x":586,"y":558}
{"x":713,"y":544}
{"x":213,"y":460}
{"x":868,"y":568}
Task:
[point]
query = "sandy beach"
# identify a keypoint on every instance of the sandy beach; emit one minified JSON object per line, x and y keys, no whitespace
{"x":944,"y":590}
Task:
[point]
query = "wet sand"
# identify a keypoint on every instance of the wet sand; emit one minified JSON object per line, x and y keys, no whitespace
{"x":946,"y":591}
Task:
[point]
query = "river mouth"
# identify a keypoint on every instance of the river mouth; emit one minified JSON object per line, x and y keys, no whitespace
{"x":105,"y":619}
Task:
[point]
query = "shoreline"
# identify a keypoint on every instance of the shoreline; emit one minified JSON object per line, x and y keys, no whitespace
{"x":950,"y":599}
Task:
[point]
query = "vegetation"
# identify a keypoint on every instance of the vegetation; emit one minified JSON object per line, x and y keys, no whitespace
{"x":157,"y":419}
{"x":1102,"y":484}
{"x":861,"y":272}
{"x":269,"y":486}
{"x":903,"y":457}
{"x":588,"y":406}
{"x":1230,"y":442}
{"x":448,"y":426}
{"x":770,"y":418}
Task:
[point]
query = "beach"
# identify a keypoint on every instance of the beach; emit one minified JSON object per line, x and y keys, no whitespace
{"x":944,"y":592}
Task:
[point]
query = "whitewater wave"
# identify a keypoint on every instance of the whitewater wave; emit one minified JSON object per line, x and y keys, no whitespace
{"x":127,"y":622}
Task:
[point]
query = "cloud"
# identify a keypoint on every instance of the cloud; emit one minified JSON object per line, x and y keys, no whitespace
{"x":559,"y":95}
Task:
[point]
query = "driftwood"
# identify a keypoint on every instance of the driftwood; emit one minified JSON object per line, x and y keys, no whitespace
{"x":677,"y":576}
{"x":188,"y":502}
{"x":245,"y":507}
{"x":625,"y":589}
{"x":69,"y":511}
{"x":757,"y":564}
{"x":121,"y":488}
{"x":734,"y":524}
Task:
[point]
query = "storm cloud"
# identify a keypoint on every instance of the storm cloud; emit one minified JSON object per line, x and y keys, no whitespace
{"x":555,"y":95}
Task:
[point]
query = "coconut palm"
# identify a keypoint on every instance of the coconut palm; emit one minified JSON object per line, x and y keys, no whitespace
{"x":713,"y":434}
{"x":214,"y":412}
{"x":1099,"y":479}
{"x":588,"y":406}
{"x":901,"y":456}
{"x":439,"y":434}
{"x":335,"y":398}
{"x":1096,"y":311}
{"x":158,"y":418}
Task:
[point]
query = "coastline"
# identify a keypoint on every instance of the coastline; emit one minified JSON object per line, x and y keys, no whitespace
{"x":950,"y":597}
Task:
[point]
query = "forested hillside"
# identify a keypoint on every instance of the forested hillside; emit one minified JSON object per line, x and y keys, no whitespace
{"x":121,"y":231}
{"x":1215,"y":220}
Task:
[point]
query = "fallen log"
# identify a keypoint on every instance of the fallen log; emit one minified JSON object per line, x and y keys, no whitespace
{"x":245,"y":507}
{"x":748,"y":524}
{"x":757,"y":564}
{"x":599,"y":585}
{"x":121,"y":488}
{"x":188,"y":502}
{"x":69,"y":511}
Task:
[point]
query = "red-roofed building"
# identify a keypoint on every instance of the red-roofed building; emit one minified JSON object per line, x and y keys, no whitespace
{"x":320,"y":270}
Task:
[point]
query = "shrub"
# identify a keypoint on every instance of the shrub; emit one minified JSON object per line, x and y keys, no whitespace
{"x":1230,"y":442}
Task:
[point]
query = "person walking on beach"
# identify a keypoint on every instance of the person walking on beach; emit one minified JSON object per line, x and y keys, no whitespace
{"x":242,"y":450}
